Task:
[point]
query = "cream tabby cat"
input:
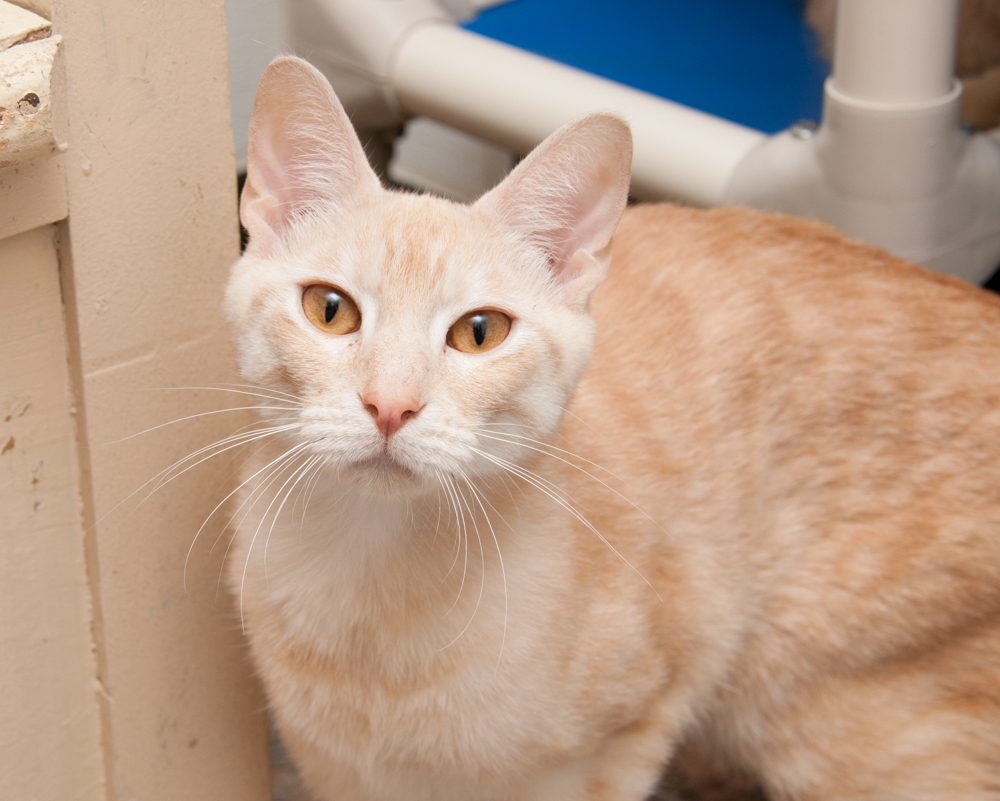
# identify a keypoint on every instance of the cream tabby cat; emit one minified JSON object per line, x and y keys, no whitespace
{"x":759,"y":533}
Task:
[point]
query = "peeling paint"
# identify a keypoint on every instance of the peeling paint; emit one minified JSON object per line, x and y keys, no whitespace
{"x":26,"y":101}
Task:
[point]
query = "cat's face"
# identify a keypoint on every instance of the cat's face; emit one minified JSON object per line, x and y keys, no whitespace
{"x":414,"y":338}
{"x":413,"y":268}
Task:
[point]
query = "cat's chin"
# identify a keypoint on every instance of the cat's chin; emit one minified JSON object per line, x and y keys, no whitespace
{"x":383,"y":476}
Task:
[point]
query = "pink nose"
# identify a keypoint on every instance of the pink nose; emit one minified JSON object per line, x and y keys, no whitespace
{"x":390,"y":412}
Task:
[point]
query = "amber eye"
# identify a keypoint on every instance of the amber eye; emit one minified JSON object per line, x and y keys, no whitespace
{"x":331,"y":309}
{"x":479,"y":331}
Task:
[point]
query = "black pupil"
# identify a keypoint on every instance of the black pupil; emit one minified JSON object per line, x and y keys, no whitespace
{"x":332,"y":304}
{"x":479,"y":328}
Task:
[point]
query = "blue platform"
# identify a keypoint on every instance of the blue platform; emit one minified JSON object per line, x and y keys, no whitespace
{"x":750,"y":61}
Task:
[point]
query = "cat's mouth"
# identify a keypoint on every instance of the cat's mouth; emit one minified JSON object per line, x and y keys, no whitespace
{"x":384,"y":468}
{"x":383,"y":476}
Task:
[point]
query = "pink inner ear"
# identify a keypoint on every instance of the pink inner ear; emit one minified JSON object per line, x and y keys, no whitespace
{"x":594,"y":212}
{"x":567,"y":197}
{"x":302,"y":153}
{"x":268,"y":157}
{"x":259,"y":215}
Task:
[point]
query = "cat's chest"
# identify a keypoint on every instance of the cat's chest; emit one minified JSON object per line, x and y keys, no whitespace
{"x":380,"y":679}
{"x":473,"y":649}
{"x":397,"y":697}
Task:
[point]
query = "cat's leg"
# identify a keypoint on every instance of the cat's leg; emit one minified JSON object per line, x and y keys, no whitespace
{"x":601,"y":778}
{"x":918,"y":730}
{"x":627,"y":767}
{"x":323,"y":777}
{"x":329,"y":778}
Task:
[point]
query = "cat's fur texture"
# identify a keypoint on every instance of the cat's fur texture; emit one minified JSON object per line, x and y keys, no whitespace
{"x":761,"y":530}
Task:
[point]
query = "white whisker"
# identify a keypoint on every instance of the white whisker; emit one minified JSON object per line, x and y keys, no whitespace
{"x":230,"y":443}
{"x":478,"y":495}
{"x":437,"y":526}
{"x":164,"y":477}
{"x":311,"y":487}
{"x":275,"y":466}
{"x":191,"y":417}
{"x":297,"y":475}
{"x":461,"y":535}
{"x":241,"y":389}
{"x":289,"y":455}
{"x":275,"y":393}
{"x":580,"y":419}
{"x":540,"y":483}
{"x":482,"y":555}
{"x":212,"y":514}
{"x":577,"y":467}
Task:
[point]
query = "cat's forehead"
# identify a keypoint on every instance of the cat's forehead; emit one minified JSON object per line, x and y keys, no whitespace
{"x":402,"y":243}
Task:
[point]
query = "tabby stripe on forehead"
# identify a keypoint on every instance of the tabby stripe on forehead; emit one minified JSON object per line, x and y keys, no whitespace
{"x":332,"y":304}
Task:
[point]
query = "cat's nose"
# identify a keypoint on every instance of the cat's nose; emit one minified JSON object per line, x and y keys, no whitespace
{"x":390,"y":412}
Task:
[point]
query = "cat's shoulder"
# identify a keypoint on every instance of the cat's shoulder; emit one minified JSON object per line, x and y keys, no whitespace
{"x":732,"y":247}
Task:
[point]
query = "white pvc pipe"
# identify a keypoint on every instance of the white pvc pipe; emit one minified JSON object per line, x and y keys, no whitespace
{"x":890,"y":120}
{"x":895,"y":52}
{"x":890,"y":163}
{"x":516,"y":99}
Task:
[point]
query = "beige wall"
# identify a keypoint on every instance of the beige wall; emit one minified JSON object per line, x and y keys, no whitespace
{"x":137,"y":690}
{"x":47,"y":701}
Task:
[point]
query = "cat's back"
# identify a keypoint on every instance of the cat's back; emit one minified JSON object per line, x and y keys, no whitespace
{"x":777,"y":341}
{"x":817,"y":426}
{"x":766,"y":300}
{"x":737,"y":263}
{"x":810,"y":407}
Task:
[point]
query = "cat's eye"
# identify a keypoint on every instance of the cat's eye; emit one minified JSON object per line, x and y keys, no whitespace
{"x":330,"y":309}
{"x":479,"y":331}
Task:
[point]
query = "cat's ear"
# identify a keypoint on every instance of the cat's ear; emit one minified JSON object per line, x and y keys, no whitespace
{"x":302,"y":153}
{"x":566,"y":197}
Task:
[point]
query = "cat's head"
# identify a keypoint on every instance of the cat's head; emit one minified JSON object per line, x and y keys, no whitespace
{"x":414,"y":337}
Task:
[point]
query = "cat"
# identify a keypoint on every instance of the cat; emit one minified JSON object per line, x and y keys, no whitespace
{"x":515,"y":531}
{"x":977,"y":54}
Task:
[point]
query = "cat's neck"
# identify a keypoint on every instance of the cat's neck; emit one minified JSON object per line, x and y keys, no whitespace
{"x":343,"y":536}
{"x":354,"y":527}
{"x":415,"y":563}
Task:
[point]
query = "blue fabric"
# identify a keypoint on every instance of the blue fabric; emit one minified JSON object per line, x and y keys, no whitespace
{"x":751,"y":61}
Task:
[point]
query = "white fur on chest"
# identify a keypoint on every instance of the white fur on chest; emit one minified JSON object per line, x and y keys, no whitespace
{"x":376,"y":665}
